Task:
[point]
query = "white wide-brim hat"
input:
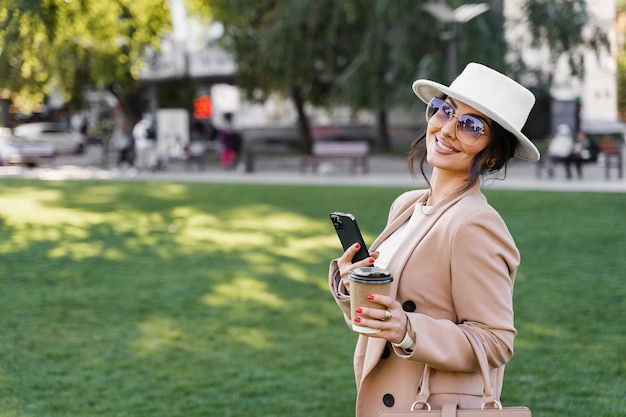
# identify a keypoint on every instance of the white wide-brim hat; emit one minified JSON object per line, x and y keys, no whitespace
{"x":495,"y":95}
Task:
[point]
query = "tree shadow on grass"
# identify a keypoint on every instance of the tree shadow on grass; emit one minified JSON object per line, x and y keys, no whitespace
{"x":162,"y":298}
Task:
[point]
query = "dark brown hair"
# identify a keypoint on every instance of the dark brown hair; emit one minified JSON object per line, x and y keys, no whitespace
{"x":499,"y":150}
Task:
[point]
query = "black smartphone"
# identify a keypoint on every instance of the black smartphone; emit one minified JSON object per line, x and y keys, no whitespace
{"x":348,"y":231}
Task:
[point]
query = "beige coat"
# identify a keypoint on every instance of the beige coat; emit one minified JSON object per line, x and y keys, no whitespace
{"x":456,"y":270}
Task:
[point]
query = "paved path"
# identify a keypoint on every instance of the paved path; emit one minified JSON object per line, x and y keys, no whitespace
{"x":384,"y":171}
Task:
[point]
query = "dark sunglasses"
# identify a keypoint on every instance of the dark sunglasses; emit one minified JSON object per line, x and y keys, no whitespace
{"x":468,"y":128}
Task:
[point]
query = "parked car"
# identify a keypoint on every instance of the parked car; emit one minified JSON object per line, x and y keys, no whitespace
{"x":15,"y":150}
{"x":65,"y":141}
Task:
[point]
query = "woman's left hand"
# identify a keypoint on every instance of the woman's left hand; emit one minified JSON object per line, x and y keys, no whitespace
{"x":392,"y":329}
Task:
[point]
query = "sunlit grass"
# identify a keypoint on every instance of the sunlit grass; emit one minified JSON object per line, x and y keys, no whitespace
{"x":163,"y":299}
{"x":243,"y":290}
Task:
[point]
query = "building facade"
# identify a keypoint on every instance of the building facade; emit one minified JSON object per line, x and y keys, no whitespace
{"x":594,"y":97}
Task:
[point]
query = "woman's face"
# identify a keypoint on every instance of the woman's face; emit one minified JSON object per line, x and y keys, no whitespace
{"x":445,"y":151}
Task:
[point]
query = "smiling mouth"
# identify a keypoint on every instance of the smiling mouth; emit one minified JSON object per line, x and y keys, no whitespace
{"x":445,"y":145}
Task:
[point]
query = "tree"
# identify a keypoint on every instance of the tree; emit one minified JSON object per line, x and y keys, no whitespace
{"x":403,"y":42}
{"x":323,"y":52}
{"x":66,"y":46}
{"x":621,"y":59}
{"x":297,"y":49}
{"x":395,"y":48}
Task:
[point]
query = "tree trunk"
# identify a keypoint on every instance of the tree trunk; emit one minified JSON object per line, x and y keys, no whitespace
{"x":131,"y":102}
{"x":303,"y":121}
{"x":383,"y":130}
{"x":5,"y":103}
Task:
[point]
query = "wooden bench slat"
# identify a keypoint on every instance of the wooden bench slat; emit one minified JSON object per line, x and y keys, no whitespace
{"x":357,"y":152}
{"x":340,"y":149}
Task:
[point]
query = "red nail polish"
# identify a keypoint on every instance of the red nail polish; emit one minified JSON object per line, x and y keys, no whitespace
{"x":359,"y":310}
{"x":357,"y":246}
{"x":370,"y":297}
{"x":357,"y":319}
{"x":371,"y":260}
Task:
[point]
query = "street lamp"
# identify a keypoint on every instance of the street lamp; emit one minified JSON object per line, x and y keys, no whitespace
{"x":462,"y":14}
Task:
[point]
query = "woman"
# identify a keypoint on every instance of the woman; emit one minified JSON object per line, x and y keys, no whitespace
{"x":451,"y":255}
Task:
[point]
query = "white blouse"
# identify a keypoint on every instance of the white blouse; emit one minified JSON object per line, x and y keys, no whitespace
{"x":390,"y":245}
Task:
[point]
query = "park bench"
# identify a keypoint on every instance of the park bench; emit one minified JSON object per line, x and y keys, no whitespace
{"x":611,"y":151}
{"x":608,"y":138}
{"x":348,"y":142}
{"x":252,"y":150}
{"x":357,"y":152}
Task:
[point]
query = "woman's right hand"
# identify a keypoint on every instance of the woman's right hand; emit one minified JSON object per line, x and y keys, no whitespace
{"x":345,"y":263}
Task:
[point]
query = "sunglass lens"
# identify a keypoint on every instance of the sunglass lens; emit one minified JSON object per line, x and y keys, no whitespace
{"x":432,"y":108}
{"x":470,"y":127}
{"x":439,"y":109}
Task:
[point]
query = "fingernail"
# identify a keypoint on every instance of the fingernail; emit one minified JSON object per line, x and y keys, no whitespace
{"x":358,"y":245}
{"x":359,"y":310}
{"x":357,"y":319}
{"x":371,"y":260}
{"x":370,"y":297}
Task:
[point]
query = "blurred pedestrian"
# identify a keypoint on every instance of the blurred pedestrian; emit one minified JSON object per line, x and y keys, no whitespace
{"x":144,"y":134}
{"x":560,"y":149}
{"x":124,"y":144}
{"x":229,"y":143}
{"x":584,"y":151}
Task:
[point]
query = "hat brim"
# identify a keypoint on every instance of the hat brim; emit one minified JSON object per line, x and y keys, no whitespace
{"x":426,"y":90}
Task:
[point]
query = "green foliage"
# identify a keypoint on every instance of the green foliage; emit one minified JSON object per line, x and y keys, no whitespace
{"x":161,"y":299}
{"x":395,"y":48}
{"x":66,"y":46}
{"x":365,"y":54}
{"x":620,"y":6}
{"x":621,"y":87}
{"x":354,"y":52}
{"x":178,"y":94}
{"x":357,"y":52}
{"x":282,"y":45}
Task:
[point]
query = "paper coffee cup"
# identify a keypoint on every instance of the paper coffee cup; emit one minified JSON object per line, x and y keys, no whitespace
{"x":365,"y":281}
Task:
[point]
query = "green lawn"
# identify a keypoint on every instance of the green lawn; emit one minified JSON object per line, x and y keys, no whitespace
{"x":171,"y":299}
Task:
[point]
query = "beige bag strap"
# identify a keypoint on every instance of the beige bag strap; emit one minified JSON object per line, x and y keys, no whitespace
{"x":483,"y":363}
{"x":424,"y":392}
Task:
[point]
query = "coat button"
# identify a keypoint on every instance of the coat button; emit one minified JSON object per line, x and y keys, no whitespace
{"x":386,"y":352}
{"x":388,"y":400}
{"x":408,"y":306}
